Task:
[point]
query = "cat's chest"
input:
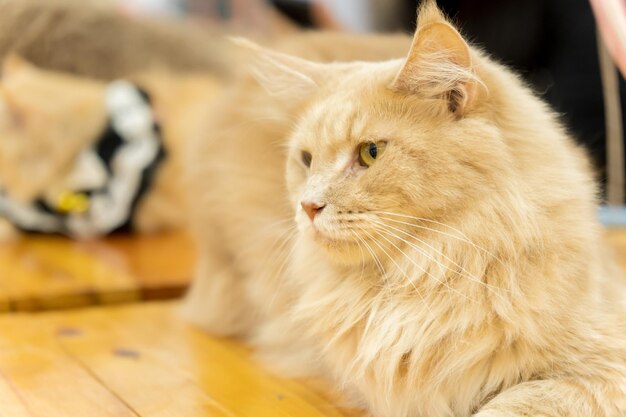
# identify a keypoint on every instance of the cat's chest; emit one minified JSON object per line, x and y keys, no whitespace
{"x":370,"y":335}
{"x":354,"y":310}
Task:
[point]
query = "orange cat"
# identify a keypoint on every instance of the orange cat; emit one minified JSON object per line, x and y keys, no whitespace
{"x":433,"y":246}
{"x":51,"y":128}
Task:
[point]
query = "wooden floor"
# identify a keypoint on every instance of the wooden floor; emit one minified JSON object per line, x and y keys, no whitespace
{"x":45,"y":273}
{"x":126,"y":355}
{"x":136,"y":360}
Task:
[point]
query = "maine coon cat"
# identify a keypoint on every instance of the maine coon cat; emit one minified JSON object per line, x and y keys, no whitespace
{"x":50,"y":126}
{"x":421,"y":231}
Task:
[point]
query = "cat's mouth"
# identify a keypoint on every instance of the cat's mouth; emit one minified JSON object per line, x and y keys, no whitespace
{"x":329,"y":239}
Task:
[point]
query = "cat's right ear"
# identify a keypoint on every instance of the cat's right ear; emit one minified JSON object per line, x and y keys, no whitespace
{"x":439,"y":65}
{"x":286,"y":77}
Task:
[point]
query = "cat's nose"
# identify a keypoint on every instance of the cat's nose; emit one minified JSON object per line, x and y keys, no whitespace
{"x":312,"y":208}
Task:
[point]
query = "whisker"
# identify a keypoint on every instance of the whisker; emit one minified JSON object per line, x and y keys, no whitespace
{"x":424,"y":219}
{"x":462,"y":238}
{"x":371,"y":312}
{"x":283,"y":245}
{"x":362,"y":253}
{"x":370,"y":319}
{"x":284,"y":263}
{"x":467,"y":273}
{"x":276,"y":240}
{"x":397,"y":266}
{"x":443,"y":282}
{"x":374,"y":256}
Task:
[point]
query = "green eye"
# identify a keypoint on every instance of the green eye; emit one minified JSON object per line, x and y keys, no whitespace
{"x":370,"y":151}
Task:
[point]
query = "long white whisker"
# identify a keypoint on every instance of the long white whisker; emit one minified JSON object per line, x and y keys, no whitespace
{"x":371,"y":316}
{"x":443,"y":282}
{"x":375,"y":257}
{"x":462,"y":238}
{"x":396,"y":264}
{"x":276,"y":240}
{"x":467,"y":273}
{"x":286,"y":259}
{"x":282,"y":248}
{"x":362,"y":253}
{"x":423,"y":219}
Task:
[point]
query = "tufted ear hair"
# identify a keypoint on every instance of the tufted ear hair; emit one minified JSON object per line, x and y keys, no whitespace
{"x":439,"y":64}
{"x":289,"y":78}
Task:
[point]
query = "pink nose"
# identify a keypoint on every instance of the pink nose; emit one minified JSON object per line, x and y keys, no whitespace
{"x":312,"y":208}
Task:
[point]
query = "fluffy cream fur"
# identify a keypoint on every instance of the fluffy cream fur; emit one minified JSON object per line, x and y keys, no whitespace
{"x":463,"y":273}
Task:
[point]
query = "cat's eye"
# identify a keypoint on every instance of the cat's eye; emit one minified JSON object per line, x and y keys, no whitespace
{"x":306,"y":158}
{"x":370,"y":151}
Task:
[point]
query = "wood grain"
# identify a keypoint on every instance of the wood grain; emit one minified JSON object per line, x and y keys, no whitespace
{"x":138,"y":360}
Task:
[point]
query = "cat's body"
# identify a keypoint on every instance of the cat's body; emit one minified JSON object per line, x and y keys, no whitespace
{"x":461,"y":272}
{"x":48,"y":119}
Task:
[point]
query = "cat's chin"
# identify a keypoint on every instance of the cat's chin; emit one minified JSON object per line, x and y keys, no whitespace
{"x":344,"y":251}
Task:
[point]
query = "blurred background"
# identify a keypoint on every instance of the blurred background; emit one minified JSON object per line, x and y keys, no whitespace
{"x":551,"y":43}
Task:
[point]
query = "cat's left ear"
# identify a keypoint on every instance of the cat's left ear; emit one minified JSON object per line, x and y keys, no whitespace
{"x":439,"y":64}
{"x":289,"y":78}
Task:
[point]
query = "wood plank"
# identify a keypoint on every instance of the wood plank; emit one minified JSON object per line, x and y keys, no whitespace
{"x":159,"y":262}
{"x":51,"y":272}
{"x":223,"y":368}
{"x":231,"y":373}
{"x":44,"y":272}
{"x":148,"y":382}
{"x":48,"y":383}
{"x":12,"y":404}
{"x":145,"y":357}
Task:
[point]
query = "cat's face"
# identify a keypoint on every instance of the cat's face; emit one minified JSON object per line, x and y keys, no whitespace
{"x":363,"y":160}
{"x":381,"y":145}
{"x":46,"y":120}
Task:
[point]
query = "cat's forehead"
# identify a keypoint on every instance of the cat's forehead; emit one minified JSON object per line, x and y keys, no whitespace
{"x":334,"y":121}
{"x":344,"y":120}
